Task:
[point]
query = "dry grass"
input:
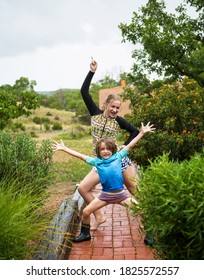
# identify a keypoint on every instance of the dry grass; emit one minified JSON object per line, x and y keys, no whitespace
{"x":65,"y":118}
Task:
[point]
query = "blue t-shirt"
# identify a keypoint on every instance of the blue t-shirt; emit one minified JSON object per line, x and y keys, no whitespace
{"x":109,"y":170}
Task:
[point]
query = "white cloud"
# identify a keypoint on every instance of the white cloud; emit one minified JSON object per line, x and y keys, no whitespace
{"x":65,"y":65}
{"x":87,"y":28}
{"x":52,"y":41}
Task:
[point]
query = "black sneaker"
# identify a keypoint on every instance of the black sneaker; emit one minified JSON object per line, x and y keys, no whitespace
{"x":82,"y":237}
{"x":148,"y":241}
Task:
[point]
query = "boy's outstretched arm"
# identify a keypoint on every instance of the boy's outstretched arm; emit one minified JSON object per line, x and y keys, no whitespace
{"x":61,"y":147}
{"x":144,"y":129}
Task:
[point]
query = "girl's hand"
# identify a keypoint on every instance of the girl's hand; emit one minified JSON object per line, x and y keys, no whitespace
{"x":147,"y":128}
{"x":58,"y":146}
{"x":93,"y":65}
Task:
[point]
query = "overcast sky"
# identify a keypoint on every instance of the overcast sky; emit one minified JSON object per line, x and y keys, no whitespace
{"x":52,"y":41}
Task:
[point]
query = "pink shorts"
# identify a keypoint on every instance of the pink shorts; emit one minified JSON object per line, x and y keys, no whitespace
{"x":113,"y":197}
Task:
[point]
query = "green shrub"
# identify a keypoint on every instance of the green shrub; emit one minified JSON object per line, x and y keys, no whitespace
{"x":78,"y":132}
{"x":57,"y":126}
{"x":172,"y":207}
{"x":17,"y":126}
{"x":21,"y":223}
{"x":177,"y":112}
{"x":21,"y":158}
{"x":47,"y":126}
{"x":37,"y":120}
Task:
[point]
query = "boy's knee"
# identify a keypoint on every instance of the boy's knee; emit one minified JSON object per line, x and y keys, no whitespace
{"x":85,"y":213}
{"x":80,"y":189}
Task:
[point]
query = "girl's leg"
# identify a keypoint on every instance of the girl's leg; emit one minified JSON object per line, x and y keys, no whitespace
{"x":84,"y":188}
{"x":128,"y":201}
{"x":130,"y":176}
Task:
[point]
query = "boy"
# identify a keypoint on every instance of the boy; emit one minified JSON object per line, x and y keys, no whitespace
{"x":108,"y":166}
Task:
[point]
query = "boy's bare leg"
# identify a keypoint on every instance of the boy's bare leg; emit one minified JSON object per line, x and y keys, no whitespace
{"x":91,"y":208}
{"x":90,"y":181}
{"x":85,"y":226}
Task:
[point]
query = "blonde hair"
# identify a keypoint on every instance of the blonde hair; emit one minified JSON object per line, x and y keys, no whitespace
{"x":109,"y":142}
{"x":109,"y":98}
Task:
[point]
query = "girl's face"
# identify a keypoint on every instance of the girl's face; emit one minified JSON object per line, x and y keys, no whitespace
{"x":112,"y":109}
{"x":104,"y":151}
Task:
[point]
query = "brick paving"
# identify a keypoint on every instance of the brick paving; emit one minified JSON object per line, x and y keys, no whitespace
{"x":119,"y":238}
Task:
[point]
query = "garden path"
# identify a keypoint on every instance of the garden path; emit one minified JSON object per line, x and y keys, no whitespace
{"x":119,"y":238}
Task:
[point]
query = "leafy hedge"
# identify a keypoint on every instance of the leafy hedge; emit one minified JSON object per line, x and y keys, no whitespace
{"x":25,"y":172}
{"x":177,"y":112}
{"x":20,"y":157}
{"x":172,"y":207}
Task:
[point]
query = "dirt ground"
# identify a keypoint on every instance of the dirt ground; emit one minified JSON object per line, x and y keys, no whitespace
{"x":57,"y":194}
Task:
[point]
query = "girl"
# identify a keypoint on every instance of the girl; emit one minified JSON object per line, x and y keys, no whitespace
{"x":105,"y":123}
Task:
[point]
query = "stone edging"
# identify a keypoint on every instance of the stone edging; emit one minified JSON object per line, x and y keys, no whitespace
{"x":56,"y":245}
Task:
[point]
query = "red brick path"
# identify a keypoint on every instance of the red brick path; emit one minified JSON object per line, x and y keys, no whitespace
{"x":118,"y":238}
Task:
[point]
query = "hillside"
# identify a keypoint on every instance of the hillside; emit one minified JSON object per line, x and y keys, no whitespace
{"x":66,"y":119}
{"x":52,"y":92}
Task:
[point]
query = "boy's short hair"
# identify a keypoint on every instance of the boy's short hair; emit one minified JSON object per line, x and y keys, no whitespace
{"x":109,"y":142}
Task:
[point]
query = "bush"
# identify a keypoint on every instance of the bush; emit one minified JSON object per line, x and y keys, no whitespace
{"x":57,"y":126}
{"x":172,"y":207}
{"x":17,"y":126}
{"x":20,"y":220}
{"x":39,"y":120}
{"x":78,"y":132}
{"x":177,"y":112}
{"x":20,"y":158}
{"x":47,"y":127}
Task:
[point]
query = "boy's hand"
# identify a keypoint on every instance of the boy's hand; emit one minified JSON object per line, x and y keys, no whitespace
{"x":58,"y":146}
{"x":147,"y":128}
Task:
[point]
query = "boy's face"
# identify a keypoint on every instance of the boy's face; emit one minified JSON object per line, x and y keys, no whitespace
{"x":104,"y":151}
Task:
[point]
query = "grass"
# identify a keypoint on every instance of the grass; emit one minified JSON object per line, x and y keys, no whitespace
{"x":20,"y":221}
{"x":68,"y":168}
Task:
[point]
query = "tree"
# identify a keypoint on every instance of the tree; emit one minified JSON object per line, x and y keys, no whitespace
{"x":17,"y":100}
{"x":108,"y":82}
{"x":177,"y":112}
{"x":167,"y":44}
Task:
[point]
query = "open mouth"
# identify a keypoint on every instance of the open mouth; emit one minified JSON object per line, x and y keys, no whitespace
{"x":113,"y":114}
{"x":106,"y":156}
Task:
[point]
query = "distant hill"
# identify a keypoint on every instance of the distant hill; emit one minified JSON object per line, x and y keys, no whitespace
{"x":50,"y":93}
